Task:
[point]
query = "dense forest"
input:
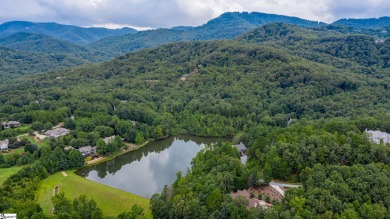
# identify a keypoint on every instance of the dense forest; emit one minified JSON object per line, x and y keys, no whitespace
{"x":299,"y":98}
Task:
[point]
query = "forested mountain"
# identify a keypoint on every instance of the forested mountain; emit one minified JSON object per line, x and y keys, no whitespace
{"x":38,"y":43}
{"x":368,"y":23}
{"x":15,"y":64}
{"x":323,"y":45}
{"x":225,"y":79}
{"x":226,"y":26}
{"x":74,"y":34}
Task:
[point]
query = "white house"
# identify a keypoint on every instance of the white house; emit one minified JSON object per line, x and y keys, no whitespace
{"x":108,"y":140}
{"x":377,"y":136}
{"x":4,"y":145}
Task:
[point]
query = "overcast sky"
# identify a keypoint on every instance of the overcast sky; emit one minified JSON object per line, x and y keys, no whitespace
{"x":169,"y":13}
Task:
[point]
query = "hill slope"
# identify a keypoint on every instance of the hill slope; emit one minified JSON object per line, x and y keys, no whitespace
{"x":74,"y":34}
{"x":38,"y":43}
{"x":226,"y":26}
{"x":369,"y":23}
{"x":14,"y":64}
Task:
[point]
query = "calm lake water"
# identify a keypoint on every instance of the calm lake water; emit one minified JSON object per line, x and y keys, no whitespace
{"x":146,"y":170}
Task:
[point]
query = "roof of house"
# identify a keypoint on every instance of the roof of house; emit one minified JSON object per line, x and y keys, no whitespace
{"x":11,"y":123}
{"x":240,"y":146}
{"x":109,"y":139}
{"x":4,"y":143}
{"x":57,"y":131}
{"x":87,"y":149}
{"x":378,"y":135}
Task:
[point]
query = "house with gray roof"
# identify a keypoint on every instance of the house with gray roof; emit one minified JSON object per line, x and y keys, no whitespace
{"x":87,"y":150}
{"x":4,"y":145}
{"x":10,"y":124}
{"x":55,"y":133}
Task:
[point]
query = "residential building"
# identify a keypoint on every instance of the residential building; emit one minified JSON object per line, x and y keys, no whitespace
{"x":4,"y":145}
{"x":87,"y":150}
{"x":10,"y":124}
{"x":378,"y":136}
{"x":107,"y":140}
{"x":55,"y":133}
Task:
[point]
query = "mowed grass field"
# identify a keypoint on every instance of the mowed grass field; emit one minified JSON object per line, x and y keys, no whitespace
{"x":7,"y":172}
{"x":112,"y":201}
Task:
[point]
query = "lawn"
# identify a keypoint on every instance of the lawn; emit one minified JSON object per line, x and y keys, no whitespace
{"x":32,"y":140}
{"x":112,"y":201}
{"x":7,"y":172}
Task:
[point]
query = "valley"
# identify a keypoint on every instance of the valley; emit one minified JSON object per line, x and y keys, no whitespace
{"x":299,"y":94}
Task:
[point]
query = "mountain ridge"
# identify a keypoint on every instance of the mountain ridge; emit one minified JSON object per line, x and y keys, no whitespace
{"x":76,"y":34}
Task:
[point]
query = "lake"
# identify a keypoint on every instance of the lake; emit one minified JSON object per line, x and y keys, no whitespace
{"x":145,"y":171}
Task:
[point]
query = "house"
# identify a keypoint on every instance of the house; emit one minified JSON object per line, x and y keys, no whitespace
{"x":4,"y":145}
{"x":377,"y":136}
{"x":69,"y":148}
{"x":55,"y":133}
{"x":241,"y":148}
{"x":252,"y":202}
{"x":87,"y":150}
{"x":107,"y":140}
{"x":10,"y":124}
{"x":184,"y":77}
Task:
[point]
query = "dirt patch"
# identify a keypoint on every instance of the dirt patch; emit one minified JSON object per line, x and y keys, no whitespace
{"x":95,"y":160}
{"x":266,"y":191}
{"x":64,"y":174}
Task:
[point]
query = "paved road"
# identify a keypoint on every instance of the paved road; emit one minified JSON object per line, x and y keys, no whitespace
{"x":285,"y":185}
{"x":278,"y":185}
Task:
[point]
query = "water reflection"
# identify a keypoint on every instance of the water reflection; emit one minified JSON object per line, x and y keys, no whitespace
{"x":146,"y":171}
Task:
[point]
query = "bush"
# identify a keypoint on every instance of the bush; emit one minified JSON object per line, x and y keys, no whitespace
{"x":260,"y":196}
{"x":267,"y":199}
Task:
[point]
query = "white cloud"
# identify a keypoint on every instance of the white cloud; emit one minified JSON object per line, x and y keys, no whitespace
{"x":168,"y":13}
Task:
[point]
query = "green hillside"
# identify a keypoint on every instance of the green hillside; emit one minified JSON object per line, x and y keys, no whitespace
{"x":14,"y":64}
{"x":226,"y":26}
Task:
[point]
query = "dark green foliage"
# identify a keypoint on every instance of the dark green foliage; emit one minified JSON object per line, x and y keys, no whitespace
{"x":31,"y":148}
{"x":14,"y":64}
{"x":17,"y":194}
{"x":370,"y":23}
{"x":342,"y":190}
{"x":80,"y":207}
{"x":136,"y":213}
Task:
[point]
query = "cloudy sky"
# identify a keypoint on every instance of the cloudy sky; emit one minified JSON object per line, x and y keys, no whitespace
{"x":169,"y":13}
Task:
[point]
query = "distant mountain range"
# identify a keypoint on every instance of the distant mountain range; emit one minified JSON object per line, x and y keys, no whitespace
{"x":369,"y":23}
{"x":70,"y":33}
{"x":227,"y":26}
{"x":62,"y":46}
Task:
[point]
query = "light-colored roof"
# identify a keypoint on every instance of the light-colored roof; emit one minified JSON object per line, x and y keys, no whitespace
{"x":87,"y":149}
{"x":57,"y":132}
{"x":109,"y":139}
{"x":240,"y":146}
{"x":4,"y":144}
{"x":376,"y":136}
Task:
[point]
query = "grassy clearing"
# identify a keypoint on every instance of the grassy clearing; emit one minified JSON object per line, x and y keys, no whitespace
{"x":32,"y":140}
{"x":7,"y":172}
{"x":112,"y":201}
